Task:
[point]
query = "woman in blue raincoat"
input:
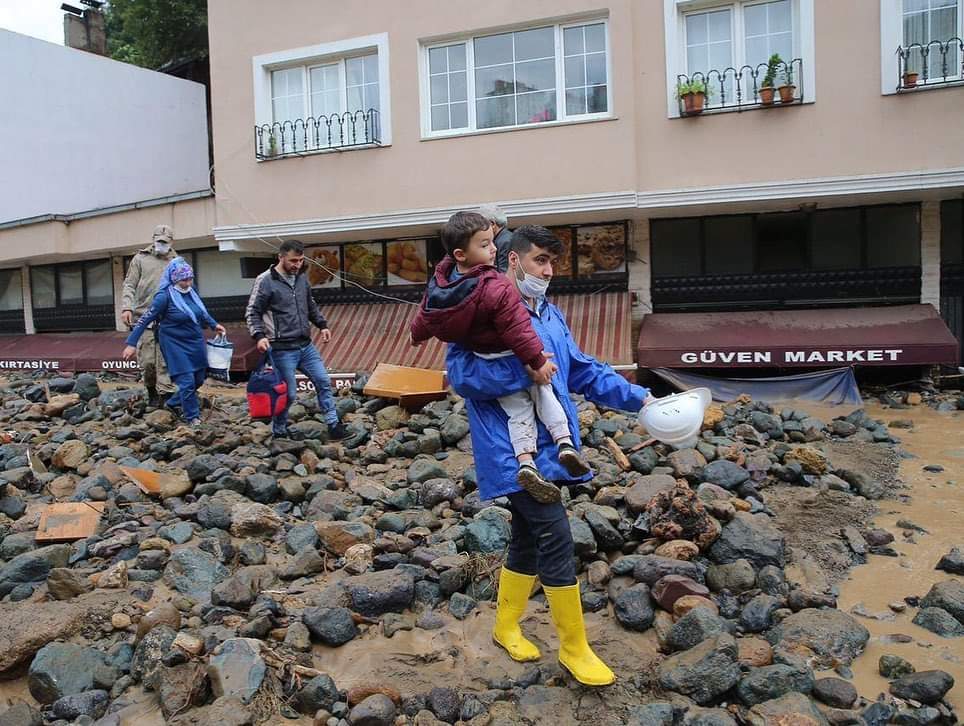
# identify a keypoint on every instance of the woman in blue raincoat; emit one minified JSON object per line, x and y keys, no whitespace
{"x":181,"y":318}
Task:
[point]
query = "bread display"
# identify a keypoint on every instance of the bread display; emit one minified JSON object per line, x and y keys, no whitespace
{"x":601,"y":249}
{"x":363,"y":263}
{"x":563,"y":265}
{"x":324,"y":273}
{"x":406,"y":262}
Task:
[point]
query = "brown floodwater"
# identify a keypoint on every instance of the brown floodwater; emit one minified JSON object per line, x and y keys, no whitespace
{"x":936,"y":503}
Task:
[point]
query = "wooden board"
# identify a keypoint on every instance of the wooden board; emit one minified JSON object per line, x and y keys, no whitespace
{"x":68,"y":521}
{"x":148,"y":481}
{"x":412,"y":387}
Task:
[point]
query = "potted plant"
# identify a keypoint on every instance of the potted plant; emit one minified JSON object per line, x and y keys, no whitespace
{"x":693,"y":95}
{"x":787,"y":88}
{"x":272,"y":146}
{"x":766,"y":86}
{"x":910,"y":79}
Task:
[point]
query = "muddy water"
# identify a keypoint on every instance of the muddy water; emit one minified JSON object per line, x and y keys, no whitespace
{"x":935,"y":502}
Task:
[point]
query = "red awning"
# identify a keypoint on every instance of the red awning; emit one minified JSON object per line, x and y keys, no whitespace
{"x":370,"y":333}
{"x":880,"y":336}
{"x":78,"y":352}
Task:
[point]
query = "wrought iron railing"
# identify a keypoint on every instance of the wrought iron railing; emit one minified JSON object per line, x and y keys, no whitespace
{"x":935,"y":63}
{"x":322,"y":133}
{"x":741,"y":89}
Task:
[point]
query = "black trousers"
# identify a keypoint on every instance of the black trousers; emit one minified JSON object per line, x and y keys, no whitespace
{"x":541,"y":541}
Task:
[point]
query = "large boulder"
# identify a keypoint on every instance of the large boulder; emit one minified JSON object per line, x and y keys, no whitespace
{"x":634,"y":608}
{"x":925,"y":686}
{"x":703,"y":672}
{"x":947,"y":595}
{"x":32,"y":566}
{"x":792,"y":708}
{"x":194,"y":573}
{"x":62,"y":669}
{"x":725,"y":473}
{"x":376,"y":593}
{"x":749,"y":537}
{"x":646,"y":487}
{"x":237,"y":669}
{"x":770,"y":682}
{"x":650,"y":569}
{"x":833,"y":635}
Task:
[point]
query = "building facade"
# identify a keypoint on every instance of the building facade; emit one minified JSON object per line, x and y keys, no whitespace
{"x":694,"y":156}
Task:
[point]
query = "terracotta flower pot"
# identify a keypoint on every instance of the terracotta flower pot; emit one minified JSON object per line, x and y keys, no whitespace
{"x":910,"y":80}
{"x":694,"y":102}
{"x":786,"y":93}
{"x":766,"y":95}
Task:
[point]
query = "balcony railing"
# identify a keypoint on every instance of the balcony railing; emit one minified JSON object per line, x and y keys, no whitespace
{"x":923,"y":65}
{"x":351,"y":129}
{"x":741,"y":89}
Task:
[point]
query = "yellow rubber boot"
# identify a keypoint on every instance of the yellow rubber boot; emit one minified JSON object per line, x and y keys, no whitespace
{"x":514,"y":591}
{"x":575,"y":655}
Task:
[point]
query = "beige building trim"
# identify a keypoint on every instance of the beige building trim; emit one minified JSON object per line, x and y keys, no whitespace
{"x":930,"y":253}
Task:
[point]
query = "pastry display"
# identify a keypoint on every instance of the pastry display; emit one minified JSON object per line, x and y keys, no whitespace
{"x":601,"y":249}
{"x":325,"y":272}
{"x":406,"y":262}
{"x":563,"y":265}
{"x":363,"y":263}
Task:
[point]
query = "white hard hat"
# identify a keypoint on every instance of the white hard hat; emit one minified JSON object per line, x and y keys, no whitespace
{"x":677,"y":419}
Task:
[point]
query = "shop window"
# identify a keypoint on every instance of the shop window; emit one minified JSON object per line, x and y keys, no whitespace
{"x":43,"y":287}
{"x":952,"y":232}
{"x":11,"y":290}
{"x":676,"y":247}
{"x":729,"y":245}
{"x":893,"y":236}
{"x":781,"y":242}
{"x":219,"y":274}
{"x":74,"y":284}
{"x":836,"y":242}
{"x":100,"y":288}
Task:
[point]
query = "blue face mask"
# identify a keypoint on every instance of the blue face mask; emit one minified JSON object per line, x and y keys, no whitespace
{"x":531,"y":286}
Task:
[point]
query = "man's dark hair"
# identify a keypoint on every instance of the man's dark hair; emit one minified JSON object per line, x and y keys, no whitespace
{"x":457,"y":232}
{"x":527,"y":236}
{"x":291,"y":245}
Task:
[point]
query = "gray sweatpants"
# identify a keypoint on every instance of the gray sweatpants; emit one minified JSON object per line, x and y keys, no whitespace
{"x":522,"y":409}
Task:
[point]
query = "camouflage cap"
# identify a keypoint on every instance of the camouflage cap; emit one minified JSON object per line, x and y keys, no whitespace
{"x":164,"y":233}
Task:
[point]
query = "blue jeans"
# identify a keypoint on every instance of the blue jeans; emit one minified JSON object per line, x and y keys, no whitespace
{"x":541,"y":541}
{"x":308,"y":361}
{"x":186,"y":396}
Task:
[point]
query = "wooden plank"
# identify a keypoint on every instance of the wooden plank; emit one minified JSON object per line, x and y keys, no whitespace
{"x":68,"y":521}
{"x":412,"y":387}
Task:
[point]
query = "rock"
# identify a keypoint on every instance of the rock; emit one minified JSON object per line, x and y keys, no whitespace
{"x":358,"y":558}
{"x":64,"y":583}
{"x":939,"y":622}
{"x":70,"y":454}
{"x":708,"y":717}
{"x":634,"y":608}
{"x":338,"y":537}
{"x":947,"y":595}
{"x":454,"y":429}
{"x":261,"y":488}
{"x":757,"y":613}
{"x":422,"y":470}
{"x":331,"y":626}
{"x":62,"y":669}
{"x":652,"y":714}
{"x":736,"y":577}
{"x":862,"y":483}
{"x":671,"y":588}
{"x":32,"y":566}
{"x":752,"y":538}
{"x":202,"y":466}
{"x":391,"y":417}
{"x":21,"y":714}
{"x":893,"y":666}
{"x":194,"y":573}
{"x":180,"y":687}
{"x":834,"y":636}
{"x":233,"y":593}
{"x":703,"y":672}
{"x":802,"y":599}
{"x":486,"y":535}
{"x":445,"y":703}
{"x":89,"y":703}
{"x":376,"y":710}
{"x":86,"y":387}
{"x":375,"y":593}
{"x":250,"y":519}
{"x":115,"y":577}
{"x":926,"y":687}
{"x":606,"y":535}
{"x":320,"y":692}
{"x":646,"y":487}
{"x":696,"y":626}
{"x":306,"y":562}
{"x":164,"y":614}
{"x":237,"y":669}
{"x":771,"y":682}
{"x":834,"y":692}
{"x":461,"y":605}
{"x":690,"y":602}
{"x":952,"y":562}
{"x":678,"y":549}
{"x":754,"y":652}
{"x":793,"y":709}
{"x":644,"y":460}
{"x":649,"y":569}
{"x":725,"y":474}
{"x":436,"y":491}
{"x":150,"y":650}
{"x":686,"y":463}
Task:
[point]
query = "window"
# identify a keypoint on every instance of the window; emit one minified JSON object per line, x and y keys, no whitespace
{"x":893,"y":236}
{"x":727,"y":45}
{"x":928,"y":25}
{"x":74,"y":284}
{"x":729,"y":245}
{"x":836,"y":240}
{"x":952,"y":232}
{"x":219,"y":274}
{"x":537,"y":75}
{"x":11,"y":290}
{"x":324,"y":97}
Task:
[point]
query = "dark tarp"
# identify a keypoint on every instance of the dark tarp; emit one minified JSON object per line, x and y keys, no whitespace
{"x":834,"y":386}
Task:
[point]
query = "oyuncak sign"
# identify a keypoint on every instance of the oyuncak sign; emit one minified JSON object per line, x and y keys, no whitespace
{"x":788,"y":357}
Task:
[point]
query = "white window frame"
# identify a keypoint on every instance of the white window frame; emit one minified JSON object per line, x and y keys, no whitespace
{"x":425,"y":96}
{"x":674,"y":27}
{"x":892,"y":37}
{"x":325,"y":54}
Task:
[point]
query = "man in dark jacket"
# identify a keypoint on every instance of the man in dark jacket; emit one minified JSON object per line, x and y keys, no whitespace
{"x":278,"y":315}
{"x":500,"y":233}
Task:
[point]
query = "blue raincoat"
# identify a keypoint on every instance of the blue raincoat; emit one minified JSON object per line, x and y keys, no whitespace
{"x":481,"y":382}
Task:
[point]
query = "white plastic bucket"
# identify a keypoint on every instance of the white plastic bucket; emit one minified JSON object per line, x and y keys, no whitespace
{"x":219,"y":350}
{"x":676,"y":420}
